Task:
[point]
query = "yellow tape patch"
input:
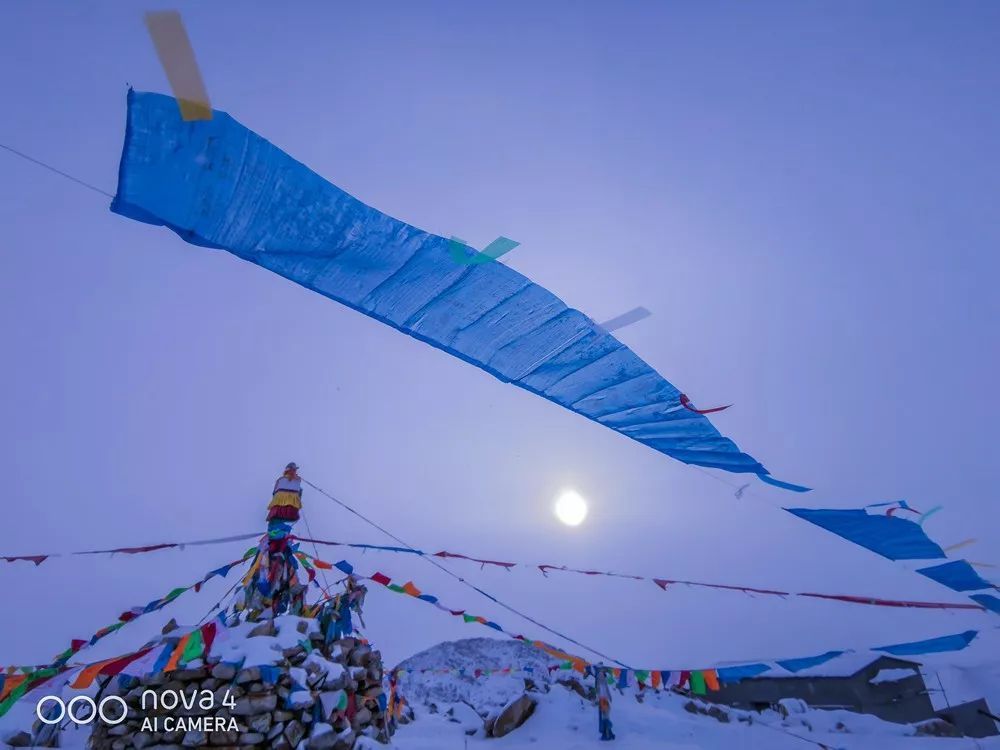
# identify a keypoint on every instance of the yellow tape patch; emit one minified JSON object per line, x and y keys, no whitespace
{"x":176,"y":54}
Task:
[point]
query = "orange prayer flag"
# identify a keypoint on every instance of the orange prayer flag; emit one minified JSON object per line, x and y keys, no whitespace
{"x":322,"y":564}
{"x":87,"y":675}
{"x":711,"y":679}
{"x":657,"y":679}
{"x":410,"y":589}
{"x":175,"y":657}
{"x":12,"y":681}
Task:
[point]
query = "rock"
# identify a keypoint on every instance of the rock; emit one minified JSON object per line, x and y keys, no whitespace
{"x":720,"y":715}
{"x":260,"y":724}
{"x":251,"y":738}
{"x":250,"y":674}
{"x":327,"y":740}
{"x":264,"y":628}
{"x":936,"y":728}
{"x":282,"y":715}
{"x":294,"y":732}
{"x":186,"y":675}
{"x":255,"y":704}
{"x":362,"y":718}
{"x":301,"y":699}
{"x":571,"y":683}
{"x":359,"y":656}
{"x":223,"y":671}
{"x":21,"y":739}
{"x":194,"y":739}
{"x":118,"y":730}
{"x":302,"y":626}
{"x":118,"y":745}
{"x":512,"y":716}
{"x":142,"y":740}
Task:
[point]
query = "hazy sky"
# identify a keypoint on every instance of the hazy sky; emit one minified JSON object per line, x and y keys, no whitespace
{"x":803,"y":194}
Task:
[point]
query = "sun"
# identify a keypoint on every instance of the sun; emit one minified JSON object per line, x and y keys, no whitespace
{"x":571,"y":508}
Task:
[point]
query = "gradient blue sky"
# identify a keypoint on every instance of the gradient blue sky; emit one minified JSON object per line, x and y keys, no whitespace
{"x":803,"y":194}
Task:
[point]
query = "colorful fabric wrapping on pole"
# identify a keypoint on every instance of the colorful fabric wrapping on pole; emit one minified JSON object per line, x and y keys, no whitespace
{"x":219,"y":185}
{"x":882,"y":529}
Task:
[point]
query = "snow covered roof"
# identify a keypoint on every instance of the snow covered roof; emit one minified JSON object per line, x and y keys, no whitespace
{"x":844,"y":665}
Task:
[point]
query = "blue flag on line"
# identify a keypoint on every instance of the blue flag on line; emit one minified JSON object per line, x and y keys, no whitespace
{"x":219,"y":185}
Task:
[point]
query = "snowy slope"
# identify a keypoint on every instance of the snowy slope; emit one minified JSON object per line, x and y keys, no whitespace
{"x":485,"y":693}
{"x":565,"y":721}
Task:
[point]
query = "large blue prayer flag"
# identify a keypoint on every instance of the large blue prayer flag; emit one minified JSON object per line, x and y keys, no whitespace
{"x":217,"y":184}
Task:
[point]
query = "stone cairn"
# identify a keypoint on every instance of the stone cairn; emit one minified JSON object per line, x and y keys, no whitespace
{"x":268,"y":715}
{"x":294,"y":704}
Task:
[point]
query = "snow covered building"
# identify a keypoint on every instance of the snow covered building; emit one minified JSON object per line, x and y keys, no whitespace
{"x":890,"y":688}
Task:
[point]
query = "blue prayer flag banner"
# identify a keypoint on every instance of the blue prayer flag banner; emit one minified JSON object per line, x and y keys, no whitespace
{"x":957,"y":575}
{"x":932,"y":645}
{"x":797,"y":665}
{"x":219,"y":185}
{"x":889,"y":536}
{"x":743,"y":672}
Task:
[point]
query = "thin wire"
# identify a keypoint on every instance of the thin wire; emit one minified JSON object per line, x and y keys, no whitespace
{"x":59,"y":172}
{"x":326,"y":589}
{"x":219,"y":601}
{"x":457,"y":577}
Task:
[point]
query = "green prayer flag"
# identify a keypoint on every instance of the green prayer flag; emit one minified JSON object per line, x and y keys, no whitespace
{"x":194,"y":648}
{"x":33,"y":679}
{"x":397,"y":589}
{"x":642,"y":675}
{"x":469,"y":618}
{"x":698,"y":683}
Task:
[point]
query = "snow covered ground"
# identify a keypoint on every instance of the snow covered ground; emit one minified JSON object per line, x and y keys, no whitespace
{"x":564,"y":721}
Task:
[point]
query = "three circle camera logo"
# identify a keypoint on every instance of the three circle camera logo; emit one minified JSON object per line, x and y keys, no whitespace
{"x":67,"y":709}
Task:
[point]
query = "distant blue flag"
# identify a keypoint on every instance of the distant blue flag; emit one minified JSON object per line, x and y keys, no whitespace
{"x":932,"y":645}
{"x":957,"y":575}
{"x":797,"y":665}
{"x":742,"y":672}
{"x":989,"y":601}
{"x":889,"y":536}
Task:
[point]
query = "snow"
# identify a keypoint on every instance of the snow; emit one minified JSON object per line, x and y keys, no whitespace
{"x":300,"y":699}
{"x":444,"y":703}
{"x":565,"y":721}
{"x":331,"y":669}
{"x":891,"y":675}
{"x":448,"y":706}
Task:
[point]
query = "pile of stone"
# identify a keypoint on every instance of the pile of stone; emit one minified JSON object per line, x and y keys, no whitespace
{"x":321,"y":696}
